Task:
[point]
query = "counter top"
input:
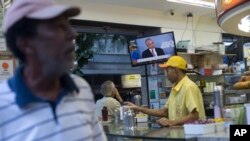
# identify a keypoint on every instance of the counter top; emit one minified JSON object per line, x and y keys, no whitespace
{"x":145,"y":131}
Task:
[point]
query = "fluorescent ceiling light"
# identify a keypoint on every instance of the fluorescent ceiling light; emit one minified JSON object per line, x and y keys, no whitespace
{"x":195,"y":3}
{"x":244,"y":24}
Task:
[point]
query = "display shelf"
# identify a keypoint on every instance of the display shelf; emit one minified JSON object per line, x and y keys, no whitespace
{"x":204,"y":53}
{"x":229,"y":92}
{"x":238,"y":92}
{"x":201,"y":59}
{"x":208,"y":93}
{"x":228,"y":54}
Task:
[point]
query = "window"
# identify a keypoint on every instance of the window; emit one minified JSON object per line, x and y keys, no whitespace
{"x":111,"y":44}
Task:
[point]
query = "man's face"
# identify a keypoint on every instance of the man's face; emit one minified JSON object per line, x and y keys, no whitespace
{"x":53,"y":46}
{"x":150,"y":44}
{"x":170,"y":72}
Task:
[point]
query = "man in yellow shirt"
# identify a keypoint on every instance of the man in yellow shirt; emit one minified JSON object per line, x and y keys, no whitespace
{"x":185,"y":103}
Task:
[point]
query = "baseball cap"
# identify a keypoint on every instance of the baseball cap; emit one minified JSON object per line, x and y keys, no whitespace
{"x":175,"y":61}
{"x":36,"y":9}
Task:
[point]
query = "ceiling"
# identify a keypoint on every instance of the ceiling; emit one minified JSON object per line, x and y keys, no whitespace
{"x":159,"y":5}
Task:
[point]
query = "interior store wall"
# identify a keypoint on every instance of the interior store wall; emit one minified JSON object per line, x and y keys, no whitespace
{"x":206,"y":30}
{"x":2,"y":42}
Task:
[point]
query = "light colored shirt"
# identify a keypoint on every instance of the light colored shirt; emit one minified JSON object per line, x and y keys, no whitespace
{"x":184,"y":98}
{"x":111,"y":104}
{"x":36,"y":121}
{"x":153,"y":51}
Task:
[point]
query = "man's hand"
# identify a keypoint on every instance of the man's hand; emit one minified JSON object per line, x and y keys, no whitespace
{"x":131,"y":106}
{"x":165,"y":122}
{"x":116,"y":95}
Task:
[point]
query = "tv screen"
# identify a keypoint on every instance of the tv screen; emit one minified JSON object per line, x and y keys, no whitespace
{"x":152,"y":49}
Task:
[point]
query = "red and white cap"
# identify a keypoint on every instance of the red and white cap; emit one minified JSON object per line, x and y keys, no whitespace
{"x":36,"y":9}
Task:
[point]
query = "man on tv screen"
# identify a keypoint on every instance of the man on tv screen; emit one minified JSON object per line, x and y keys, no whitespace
{"x":135,"y":54}
{"x":152,"y":51}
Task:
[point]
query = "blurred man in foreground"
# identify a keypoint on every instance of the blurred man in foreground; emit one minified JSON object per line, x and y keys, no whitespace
{"x":42,"y":101}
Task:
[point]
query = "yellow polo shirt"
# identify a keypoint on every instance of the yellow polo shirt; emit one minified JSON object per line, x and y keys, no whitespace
{"x":183,"y":99}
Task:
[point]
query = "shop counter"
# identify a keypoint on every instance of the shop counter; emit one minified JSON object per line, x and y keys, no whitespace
{"x":147,"y":132}
{"x":220,"y":136}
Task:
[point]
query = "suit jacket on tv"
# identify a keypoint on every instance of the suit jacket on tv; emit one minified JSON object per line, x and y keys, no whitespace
{"x":147,"y":53}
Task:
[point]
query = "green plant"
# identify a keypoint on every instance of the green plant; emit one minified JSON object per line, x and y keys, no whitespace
{"x":121,"y":38}
{"x":84,"y":43}
{"x":84,"y":48}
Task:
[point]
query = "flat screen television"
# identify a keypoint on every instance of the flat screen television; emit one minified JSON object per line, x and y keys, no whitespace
{"x":152,"y":49}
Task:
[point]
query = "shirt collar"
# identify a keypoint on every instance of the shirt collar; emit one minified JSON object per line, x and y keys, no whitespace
{"x":178,"y":86}
{"x":24,"y":96}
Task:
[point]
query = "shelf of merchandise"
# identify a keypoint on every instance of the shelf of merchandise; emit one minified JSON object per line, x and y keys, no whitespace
{"x":238,"y":92}
{"x":198,"y":59}
{"x":204,"y":53}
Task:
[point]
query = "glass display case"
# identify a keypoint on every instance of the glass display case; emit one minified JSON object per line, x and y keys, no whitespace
{"x":159,"y":90}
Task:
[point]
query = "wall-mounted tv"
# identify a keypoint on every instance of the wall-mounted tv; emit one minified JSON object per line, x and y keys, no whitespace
{"x":152,"y":49}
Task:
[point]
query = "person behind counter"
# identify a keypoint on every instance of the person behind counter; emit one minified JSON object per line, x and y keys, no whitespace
{"x":135,"y":54}
{"x":185,"y":103}
{"x":109,"y":93}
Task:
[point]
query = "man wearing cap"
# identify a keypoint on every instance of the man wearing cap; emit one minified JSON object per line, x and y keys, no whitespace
{"x":185,"y":102}
{"x":135,"y":55}
{"x":42,"y":101}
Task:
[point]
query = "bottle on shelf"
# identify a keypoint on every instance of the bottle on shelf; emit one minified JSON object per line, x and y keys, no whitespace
{"x":228,"y":119}
{"x":104,"y":113}
{"x":129,"y":119}
{"x":117,"y":116}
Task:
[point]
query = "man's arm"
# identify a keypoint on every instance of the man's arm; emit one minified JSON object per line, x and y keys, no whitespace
{"x":194,"y":115}
{"x":117,"y":95}
{"x":153,"y":112}
{"x":160,"y":51}
{"x":144,"y":54}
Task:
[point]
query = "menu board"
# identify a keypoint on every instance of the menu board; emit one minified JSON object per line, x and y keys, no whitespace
{"x":131,"y":81}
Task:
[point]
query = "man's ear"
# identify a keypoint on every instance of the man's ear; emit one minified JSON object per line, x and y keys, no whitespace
{"x":24,"y":45}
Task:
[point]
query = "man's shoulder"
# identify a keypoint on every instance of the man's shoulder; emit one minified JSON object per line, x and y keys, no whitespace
{"x":82,"y":85}
{"x":146,"y":50}
{"x":79,"y":81}
{"x":4,"y":87}
{"x":158,"y":48}
{"x":6,"y":94}
{"x":107,"y":100}
{"x":112,"y":101}
{"x":189,"y":83}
